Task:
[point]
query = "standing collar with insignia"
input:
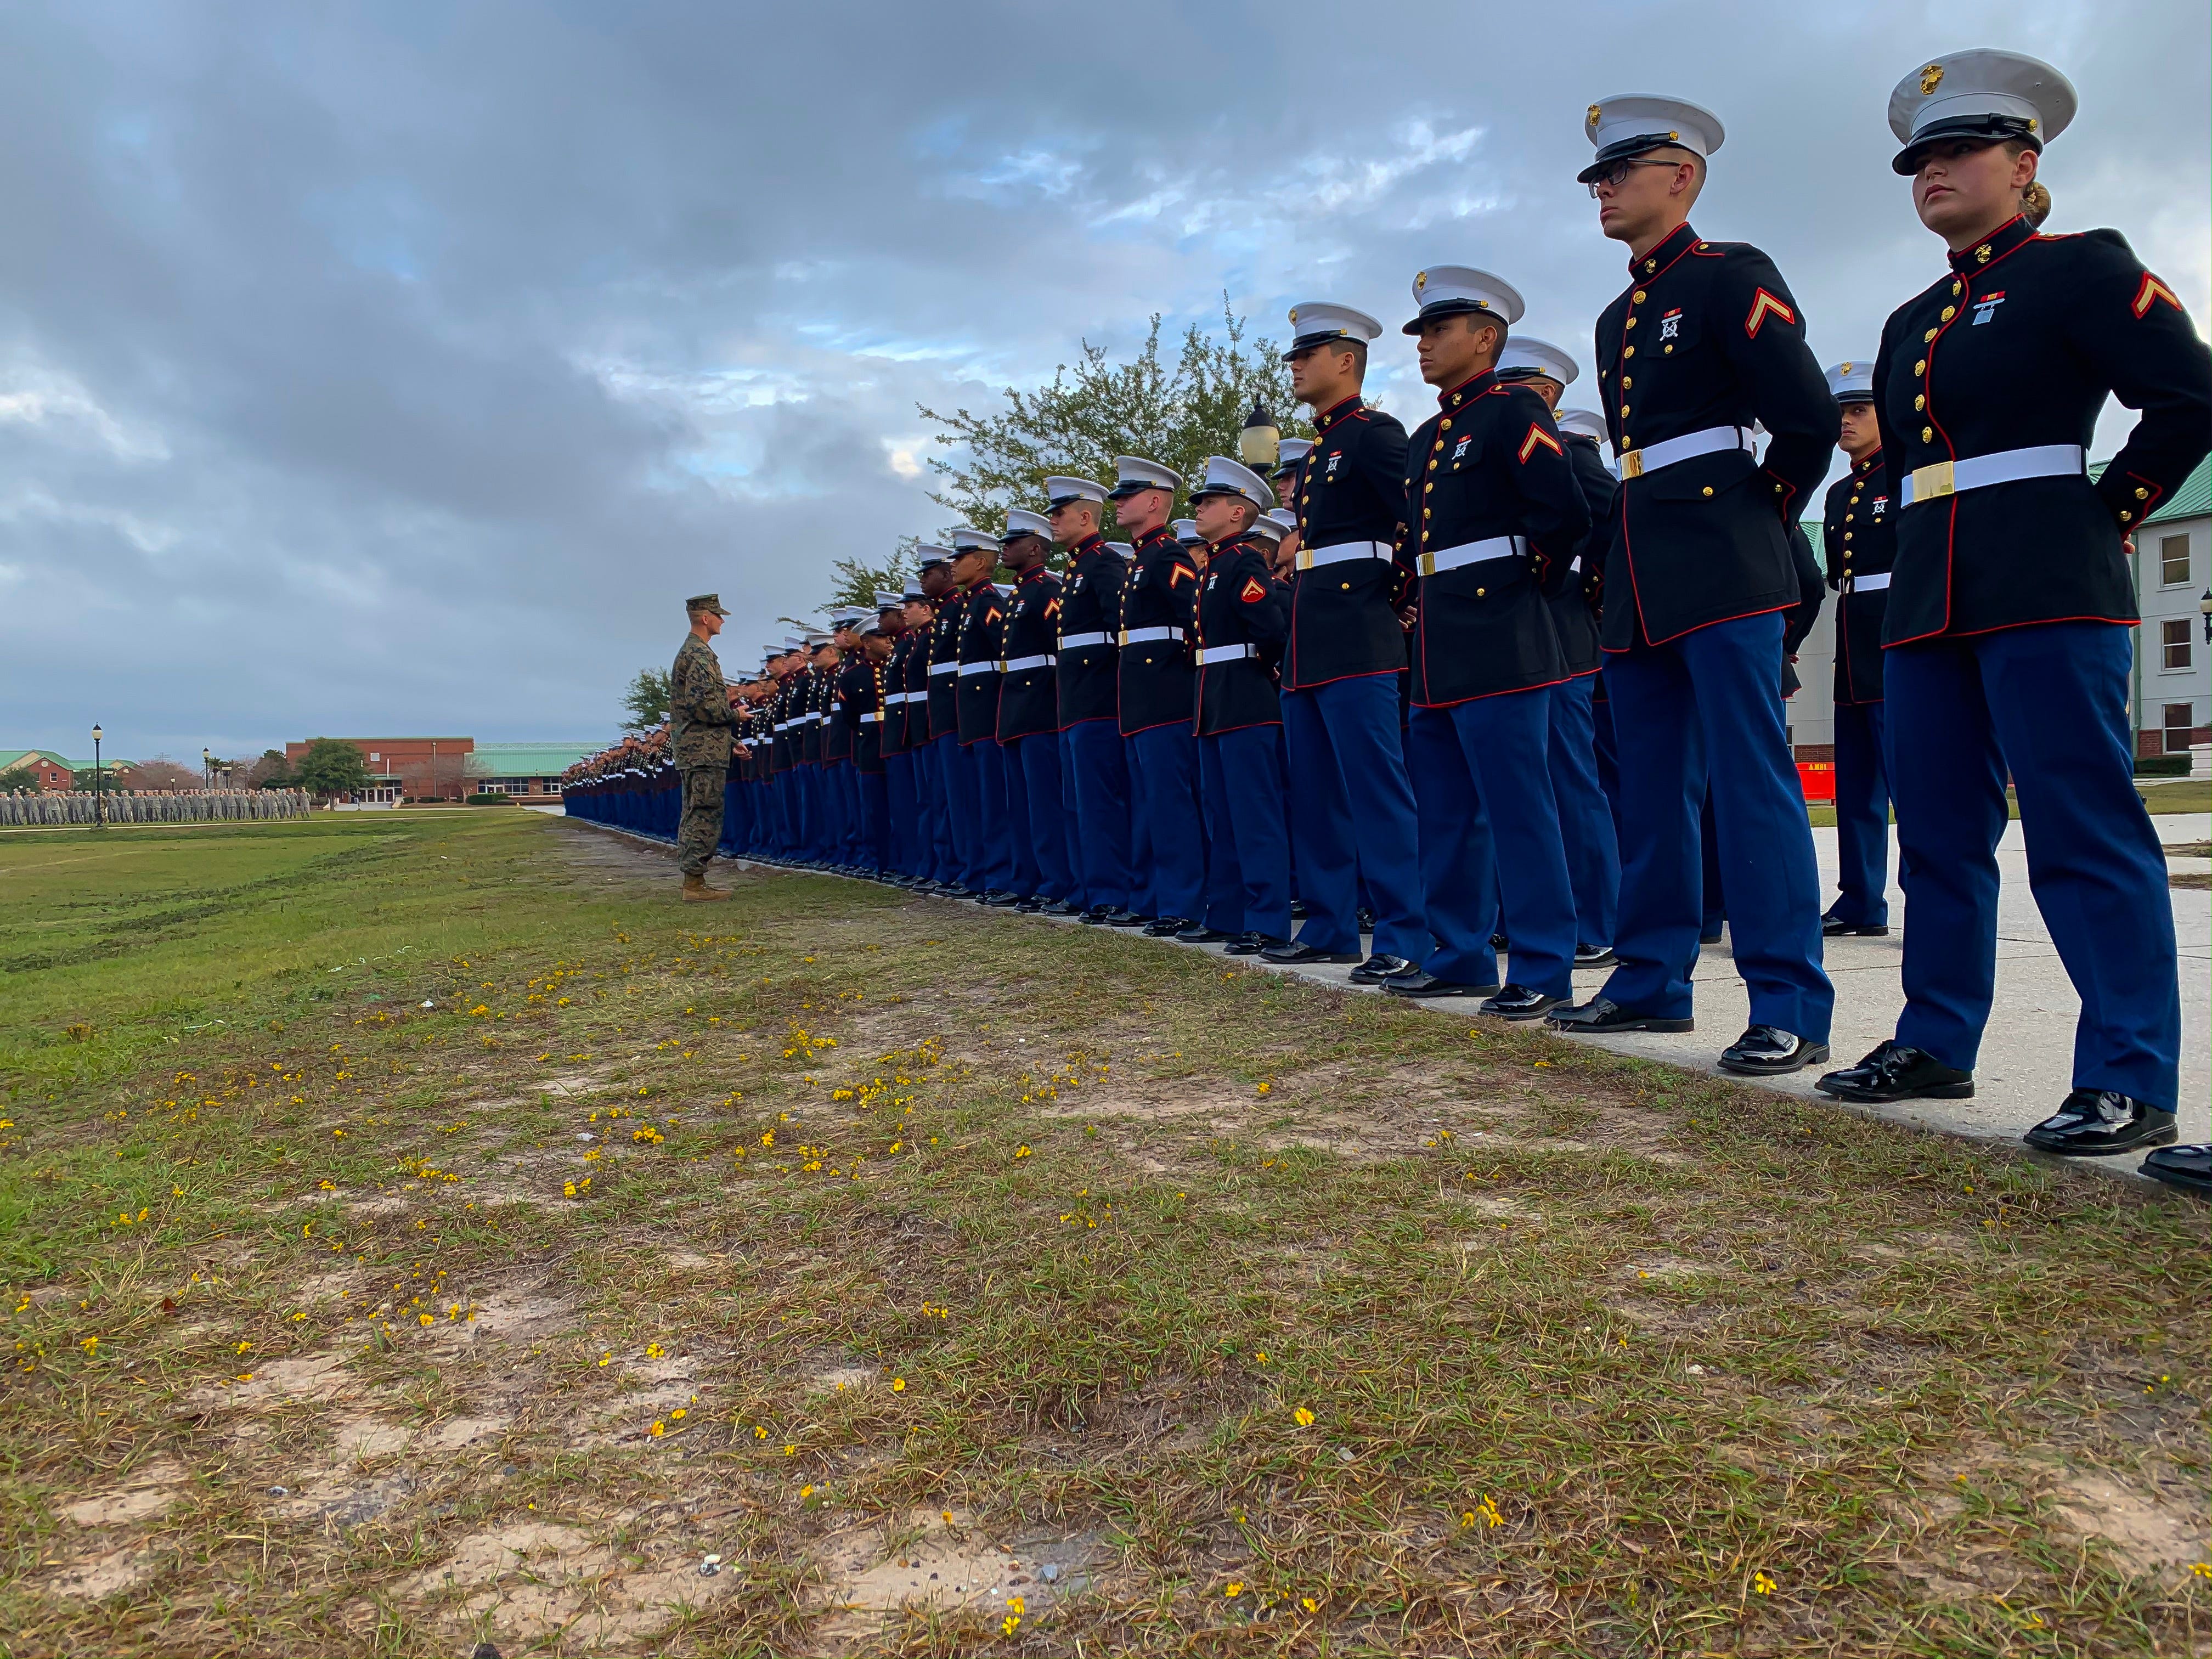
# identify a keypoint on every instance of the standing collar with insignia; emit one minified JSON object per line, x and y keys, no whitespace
{"x":2001,"y":242}
{"x":1158,"y":533}
{"x":1678,"y":241}
{"x":1475,"y":387}
{"x":1094,"y":543}
{"x":1867,"y":459}
{"x":1338,"y":412}
{"x":1035,"y":573}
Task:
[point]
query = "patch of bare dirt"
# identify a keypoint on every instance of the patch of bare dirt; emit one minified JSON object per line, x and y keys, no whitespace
{"x":2145,"y":1532}
{"x":313,"y":1378}
{"x":936,"y":1561}
{"x":147,"y":1491}
{"x":536,"y":1581}
{"x":104,"y":1576}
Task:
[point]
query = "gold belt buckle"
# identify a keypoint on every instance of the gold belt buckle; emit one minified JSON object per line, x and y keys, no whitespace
{"x":1933,"y":482}
{"x":1304,"y":558}
{"x":1427,"y":564}
{"x":1002,"y":664}
{"x":1124,"y":639}
{"x":1632,"y":463}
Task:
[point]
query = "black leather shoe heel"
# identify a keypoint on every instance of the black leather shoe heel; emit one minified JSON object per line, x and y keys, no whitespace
{"x":1519,"y":1002}
{"x":2098,"y":1122}
{"x":1770,"y":1051}
{"x":1600,"y":1017}
{"x":1895,"y":1072}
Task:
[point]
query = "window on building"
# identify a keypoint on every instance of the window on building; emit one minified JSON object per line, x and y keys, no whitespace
{"x":2173,"y":637}
{"x":2177,"y":726}
{"x":2174,"y":562}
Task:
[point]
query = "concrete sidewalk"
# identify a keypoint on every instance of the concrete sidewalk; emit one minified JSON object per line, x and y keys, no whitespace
{"x":2026,"y":1058}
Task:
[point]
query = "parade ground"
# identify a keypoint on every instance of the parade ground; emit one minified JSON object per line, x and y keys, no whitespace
{"x":422,"y":1232}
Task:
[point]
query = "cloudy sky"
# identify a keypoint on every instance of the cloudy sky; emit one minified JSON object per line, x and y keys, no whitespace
{"x":395,"y":368}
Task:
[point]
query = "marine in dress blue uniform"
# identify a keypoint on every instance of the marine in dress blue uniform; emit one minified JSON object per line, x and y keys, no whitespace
{"x":1706,"y":342}
{"x":1859,"y":523}
{"x":1353,"y":824}
{"x":954,"y":778}
{"x":2010,"y":603}
{"x":928,"y":788}
{"x":1157,"y":696}
{"x":990,"y":858}
{"x":1586,"y":820}
{"x":872,"y":803}
{"x":840,"y":743}
{"x":899,"y":805}
{"x":1094,"y":769}
{"x":1494,"y":516}
{"x":1029,"y":718}
{"x":1243,"y":616}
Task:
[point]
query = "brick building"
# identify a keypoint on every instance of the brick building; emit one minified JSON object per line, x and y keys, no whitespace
{"x":409,"y":768}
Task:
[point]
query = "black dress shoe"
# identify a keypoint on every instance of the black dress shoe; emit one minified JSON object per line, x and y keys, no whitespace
{"x":1029,"y":907}
{"x":1428,"y":987}
{"x":1519,"y":1002}
{"x":1895,"y":1072}
{"x":1770,"y":1051}
{"x":1097,"y":914}
{"x":1595,"y":955}
{"x":1250,"y":944}
{"x":1499,"y":942}
{"x":954,"y":889}
{"x":1602,"y":1015}
{"x":2097,"y":1122}
{"x":1291,"y":953}
{"x":1837,"y":928}
{"x":1062,"y":907}
{"x":2189,"y":1167}
{"x":1124,"y":919}
{"x":1166,"y":926}
{"x":1381,"y":970}
{"x":1199,"y":934}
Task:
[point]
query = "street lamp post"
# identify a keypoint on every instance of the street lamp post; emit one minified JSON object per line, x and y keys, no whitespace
{"x":1260,"y":442}
{"x":207,"y":768}
{"x":2204,"y":604}
{"x":99,"y":798}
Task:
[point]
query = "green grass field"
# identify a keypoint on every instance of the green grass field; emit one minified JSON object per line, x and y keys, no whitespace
{"x":421,"y":1230}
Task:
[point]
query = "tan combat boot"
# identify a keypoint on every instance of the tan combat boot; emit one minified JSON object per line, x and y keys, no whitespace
{"x":695,"y":887}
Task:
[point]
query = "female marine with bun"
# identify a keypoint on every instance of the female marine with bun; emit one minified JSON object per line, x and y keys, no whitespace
{"x":2008,"y":642}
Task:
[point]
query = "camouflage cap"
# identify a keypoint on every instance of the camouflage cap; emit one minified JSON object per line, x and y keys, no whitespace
{"x":705,"y":601}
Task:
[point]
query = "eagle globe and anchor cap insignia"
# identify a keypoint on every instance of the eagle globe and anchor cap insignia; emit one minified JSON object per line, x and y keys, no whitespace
{"x":1930,"y":78}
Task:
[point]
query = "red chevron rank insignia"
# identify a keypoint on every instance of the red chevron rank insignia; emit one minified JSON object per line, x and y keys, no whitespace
{"x":1252,"y":592}
{"x":1537,"y":436}
{"x":1762,"y":303}
{"x":2151,"y":293}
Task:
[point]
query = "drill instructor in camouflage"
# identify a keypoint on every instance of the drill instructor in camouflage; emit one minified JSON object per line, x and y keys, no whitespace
{"x":699,"y":722}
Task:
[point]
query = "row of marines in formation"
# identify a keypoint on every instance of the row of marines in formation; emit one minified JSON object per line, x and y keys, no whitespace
{"x":1480,"y":690}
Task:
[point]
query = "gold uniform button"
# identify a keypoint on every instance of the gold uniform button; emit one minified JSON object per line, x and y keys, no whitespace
{"x":1628,"y":352}
{"x":1927,"y":434}
{"x":1958,"y":288}
{"x":1445,"y":425}
{"x":1432,"y":465}
{"x":2125,"y":517}
{"x":1636,"y":298}
{"x":1928,"y":335}
{"x":1429,"y":488}
{"x":1347,"y":588}
{"x":1949,"y":312}
{"x":1920,"y":402}
{"x":1626,"y":381}
{"x":1481,"y":593}
{"x":1708,"y":490}
{"x":1848,"y":517}
{"x":1666,"y":351}
{"x":2142,"y":494}
{"x":1624,"y":411}
{"x":1920,"y":367}
{"x":1847,"y":535}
